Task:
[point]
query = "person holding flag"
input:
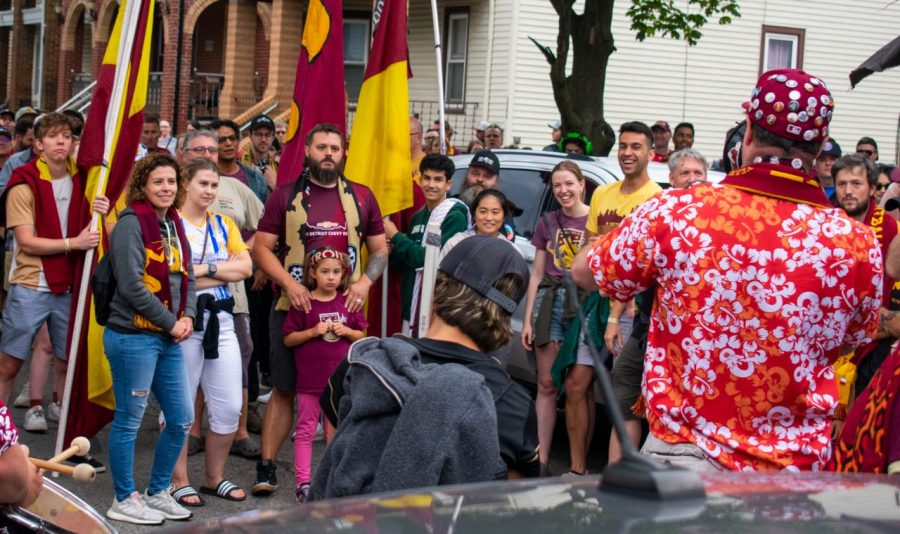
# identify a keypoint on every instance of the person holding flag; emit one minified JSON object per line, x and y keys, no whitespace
{"x":45,"y":208}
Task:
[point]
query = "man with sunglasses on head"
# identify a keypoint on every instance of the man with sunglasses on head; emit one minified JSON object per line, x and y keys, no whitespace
{"x":259,"y":154}
{"x":831,"y":151}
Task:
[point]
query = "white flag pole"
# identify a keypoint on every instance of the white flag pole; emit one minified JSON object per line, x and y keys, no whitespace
{"x":440,"y":75}
{"x":123,"y":60}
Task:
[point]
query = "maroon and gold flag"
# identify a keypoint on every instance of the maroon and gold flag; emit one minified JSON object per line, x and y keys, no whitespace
{"x":319,"y":92}
{"x":379,"y":156}
{"x":106,"y":154}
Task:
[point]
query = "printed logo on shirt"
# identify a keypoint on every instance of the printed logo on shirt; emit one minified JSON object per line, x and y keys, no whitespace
{"x":563,"y":238}
{"x":608,"y":221}
{"x":325,"y":229}
{"x":333,"y":318}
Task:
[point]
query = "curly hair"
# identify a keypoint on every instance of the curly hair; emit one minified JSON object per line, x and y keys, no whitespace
{"x":134,"y":192}
{"x":484,"y":321}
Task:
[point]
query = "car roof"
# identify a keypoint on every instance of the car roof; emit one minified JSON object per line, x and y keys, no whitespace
{"x":601,"y":170}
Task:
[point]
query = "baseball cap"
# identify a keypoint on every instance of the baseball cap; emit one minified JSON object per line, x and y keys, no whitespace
{"x":831,"y":148}
{"x":27,"y":110}
{"x":486,"y":159}
{"x":792,"y":104}
{"x":555,"y":125}
{"x":5,"y":133}
{"x":479,"y":261}
{"x":262,"y":121}
{"x":895,"y":175}
{"x":482,"y":126}
{"x":7,"y":113}
{"x":661,"y":125}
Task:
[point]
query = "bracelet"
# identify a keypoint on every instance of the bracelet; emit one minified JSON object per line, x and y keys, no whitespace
{"x":66,"y":244}
{"x":613,"y":320}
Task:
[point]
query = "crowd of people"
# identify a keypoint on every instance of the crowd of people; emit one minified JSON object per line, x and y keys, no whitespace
{"x":778,"y":280}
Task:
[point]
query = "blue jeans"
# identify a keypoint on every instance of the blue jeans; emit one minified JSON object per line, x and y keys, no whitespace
{"x":142,"y":363}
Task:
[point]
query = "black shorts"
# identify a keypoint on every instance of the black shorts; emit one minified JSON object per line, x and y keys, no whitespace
{"x":281,"y":359}
{"x":628,"y":370}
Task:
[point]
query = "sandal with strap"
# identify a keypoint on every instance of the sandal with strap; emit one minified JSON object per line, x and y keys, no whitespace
{"x":224,"y":490}
{"x":185,"y":492}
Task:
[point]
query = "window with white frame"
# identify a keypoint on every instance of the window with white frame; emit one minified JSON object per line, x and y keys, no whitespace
{"x":457,"y":34}
{"x":781,"y":48}
{"x":356,"y":52}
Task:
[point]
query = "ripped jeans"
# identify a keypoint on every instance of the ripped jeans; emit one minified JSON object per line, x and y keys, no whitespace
{"x":142,"y":363}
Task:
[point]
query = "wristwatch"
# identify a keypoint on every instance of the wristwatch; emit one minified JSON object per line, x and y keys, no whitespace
{"x":212,"y":269}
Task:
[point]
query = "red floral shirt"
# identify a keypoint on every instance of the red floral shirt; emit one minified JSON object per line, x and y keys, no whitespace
{"x":755,"y":296}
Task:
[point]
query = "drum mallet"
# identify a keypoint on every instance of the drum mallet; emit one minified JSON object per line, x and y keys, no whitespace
{"x":79,"y":447}
{"x":81,"y":472}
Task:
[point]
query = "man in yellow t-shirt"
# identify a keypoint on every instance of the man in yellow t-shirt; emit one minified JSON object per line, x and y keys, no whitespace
{"x":609,"y":205}
{"x":612,"y":202}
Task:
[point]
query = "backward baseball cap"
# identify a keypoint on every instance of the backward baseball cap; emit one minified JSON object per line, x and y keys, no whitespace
{"x":478,"y":261}
{"x":487,"y":159}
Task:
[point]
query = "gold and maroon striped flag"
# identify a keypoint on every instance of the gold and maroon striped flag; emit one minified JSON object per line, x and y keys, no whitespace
{"x":379,"y":146}
{"x":109,"y":143}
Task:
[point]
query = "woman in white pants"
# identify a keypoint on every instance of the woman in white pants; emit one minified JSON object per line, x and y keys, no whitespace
{"x":212,"y":355}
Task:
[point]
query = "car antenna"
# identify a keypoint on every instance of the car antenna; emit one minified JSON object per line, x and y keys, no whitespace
{"x":635,"y":474}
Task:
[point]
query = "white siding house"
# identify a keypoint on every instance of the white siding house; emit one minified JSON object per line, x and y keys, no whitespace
{"x":506,"y":78}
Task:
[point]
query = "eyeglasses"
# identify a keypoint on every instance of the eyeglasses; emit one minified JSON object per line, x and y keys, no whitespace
{"x":880,"y":186}
{"x":866,"y":152}
{"x":199,"y":150}
{"x":225,"y":138}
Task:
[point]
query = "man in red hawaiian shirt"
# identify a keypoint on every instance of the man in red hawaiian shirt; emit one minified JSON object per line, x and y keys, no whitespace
{"x":759,"y":285}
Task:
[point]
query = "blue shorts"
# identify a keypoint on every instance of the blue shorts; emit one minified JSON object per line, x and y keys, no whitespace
{"x":558,"y":325}
{"x":26,"y":310}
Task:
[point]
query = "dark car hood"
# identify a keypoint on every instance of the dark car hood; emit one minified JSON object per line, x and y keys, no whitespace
{"x":735,"y":502}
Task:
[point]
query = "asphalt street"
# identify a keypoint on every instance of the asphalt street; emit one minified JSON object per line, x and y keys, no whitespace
{"x":242,"y":472}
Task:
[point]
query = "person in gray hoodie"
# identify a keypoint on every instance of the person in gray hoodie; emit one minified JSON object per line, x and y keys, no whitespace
{"x":151,"y":313}
{"x":437,"y":410}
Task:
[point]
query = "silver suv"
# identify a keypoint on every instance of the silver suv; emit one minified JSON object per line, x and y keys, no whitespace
{"x":525,"y":180}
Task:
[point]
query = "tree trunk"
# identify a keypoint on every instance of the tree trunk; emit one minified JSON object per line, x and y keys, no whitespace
{"x":579,"y":96}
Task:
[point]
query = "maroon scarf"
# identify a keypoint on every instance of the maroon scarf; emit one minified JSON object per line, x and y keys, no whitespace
{"x":778,"y":181}
{"x":156,"y":271}
{"x":58,"y":268}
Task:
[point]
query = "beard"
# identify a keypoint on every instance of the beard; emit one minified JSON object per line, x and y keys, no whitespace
{"x":468,"y":193}
{"x":325,"y":176}
{"x":861,"y":208}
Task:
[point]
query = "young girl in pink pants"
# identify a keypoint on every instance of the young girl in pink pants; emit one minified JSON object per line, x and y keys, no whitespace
{"x":321,"y":339}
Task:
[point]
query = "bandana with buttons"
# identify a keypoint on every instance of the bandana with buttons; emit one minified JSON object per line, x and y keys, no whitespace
{"x":792,"y":104}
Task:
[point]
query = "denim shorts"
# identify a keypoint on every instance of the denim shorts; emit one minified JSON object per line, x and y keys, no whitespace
{"x":558,"y":325}
{"x":26,"y":310}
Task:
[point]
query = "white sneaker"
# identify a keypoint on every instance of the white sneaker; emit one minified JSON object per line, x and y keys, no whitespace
{"x":53,"y":412}
{"x":320,"y":432}
{"x":134,"y":510}
{"x":34,"y":420}
{"x":264,"y":399}
{"x":23,"y":399}
{"x":166,"y":505}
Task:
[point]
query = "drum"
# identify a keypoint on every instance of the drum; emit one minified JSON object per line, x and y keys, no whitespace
{"x":55,"y":510}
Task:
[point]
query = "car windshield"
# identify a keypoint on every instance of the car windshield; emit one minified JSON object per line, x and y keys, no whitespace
{"x":523,"y":187}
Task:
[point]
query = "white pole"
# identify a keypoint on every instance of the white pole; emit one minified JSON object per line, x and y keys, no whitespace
{"x":440,"y":75}
{"x":123,"y":59}
{"x":429,"y":273}
{"x":384,"y":301}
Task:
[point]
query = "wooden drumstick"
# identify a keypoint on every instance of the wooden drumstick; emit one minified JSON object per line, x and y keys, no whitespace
{"x":81,"y":472}
{"x":79,"y":447}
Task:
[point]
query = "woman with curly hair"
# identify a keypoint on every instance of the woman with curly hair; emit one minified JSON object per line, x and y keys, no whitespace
{"x":151,"y":313}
